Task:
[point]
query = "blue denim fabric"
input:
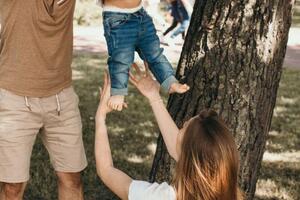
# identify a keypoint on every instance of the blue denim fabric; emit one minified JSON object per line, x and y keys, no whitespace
{"x":126,"y":33}
{"x":183,"y":26}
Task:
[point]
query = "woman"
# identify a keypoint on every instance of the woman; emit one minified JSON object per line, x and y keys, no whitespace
{"x":205,"y":151}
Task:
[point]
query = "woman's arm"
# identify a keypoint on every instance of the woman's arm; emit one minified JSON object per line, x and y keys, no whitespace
{"x":113,"y":178}
{"x":150,"y":89}
{"x":167,"y":126}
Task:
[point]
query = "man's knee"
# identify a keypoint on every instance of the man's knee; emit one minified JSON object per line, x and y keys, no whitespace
{"x":13,"y":189}
{"x":70,"y":180}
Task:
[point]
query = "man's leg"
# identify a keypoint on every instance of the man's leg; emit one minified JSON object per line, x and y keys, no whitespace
{"x":12,"y":191}
{"x":62,"y":136}
{"x":18,"y":129}
{"x":69,"y":186}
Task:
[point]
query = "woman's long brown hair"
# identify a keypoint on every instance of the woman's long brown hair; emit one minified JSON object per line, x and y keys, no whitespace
{"x":208,"y":165}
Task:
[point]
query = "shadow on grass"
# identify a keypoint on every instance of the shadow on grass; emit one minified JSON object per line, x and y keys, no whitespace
{"x":281,"y":180}
{"x":132,"y":135}
{"x":285,"y":130}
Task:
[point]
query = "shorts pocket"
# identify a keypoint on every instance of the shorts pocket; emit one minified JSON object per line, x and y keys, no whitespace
{"x":2,"y":95}
{"x":69,"y":95}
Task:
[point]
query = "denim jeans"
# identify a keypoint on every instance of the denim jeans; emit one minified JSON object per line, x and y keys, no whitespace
{"x":183,"y":26}
{"x":126,"y":33}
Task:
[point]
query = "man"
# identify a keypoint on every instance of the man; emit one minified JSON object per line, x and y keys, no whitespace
{"x":36,"y":95}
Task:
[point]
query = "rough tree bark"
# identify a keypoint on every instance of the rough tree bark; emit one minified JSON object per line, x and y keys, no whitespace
{"x":232,"y":59}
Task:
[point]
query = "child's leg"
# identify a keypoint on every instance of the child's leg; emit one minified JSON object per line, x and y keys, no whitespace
{"x":149,"y":49}
{"x":120,"y":37}
{"x":119,"y":64}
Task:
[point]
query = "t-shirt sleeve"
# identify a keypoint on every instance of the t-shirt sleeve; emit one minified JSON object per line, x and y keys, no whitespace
{"x":141,"y":190}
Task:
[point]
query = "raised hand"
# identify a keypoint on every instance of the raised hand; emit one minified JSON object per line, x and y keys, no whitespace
{"x":103,"y":107}
{"x":145,"y":83}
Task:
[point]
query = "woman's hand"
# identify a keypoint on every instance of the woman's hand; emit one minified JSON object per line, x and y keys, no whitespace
{"x":104,"y":162}
{"x":103,"y":107}
{"x":144,"y":82}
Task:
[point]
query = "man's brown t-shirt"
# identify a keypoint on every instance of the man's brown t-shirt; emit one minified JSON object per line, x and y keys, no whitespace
{"x":36,"y":45}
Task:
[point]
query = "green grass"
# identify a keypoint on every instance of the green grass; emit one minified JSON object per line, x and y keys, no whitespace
{"x":280,"y":179}
{"x":296,"y":16}
{"x":133,"y":136}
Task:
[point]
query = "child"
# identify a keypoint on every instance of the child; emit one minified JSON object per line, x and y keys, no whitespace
{"x":128,"y":28}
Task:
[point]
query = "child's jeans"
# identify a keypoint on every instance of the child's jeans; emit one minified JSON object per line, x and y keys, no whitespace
{"x":126,"y":33}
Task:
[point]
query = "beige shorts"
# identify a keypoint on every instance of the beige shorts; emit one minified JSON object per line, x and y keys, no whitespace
{"x":56,"y":118}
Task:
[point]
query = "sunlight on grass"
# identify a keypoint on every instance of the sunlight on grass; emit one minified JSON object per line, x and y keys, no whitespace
{"x":278,"y":110}
{"x":280,"y":173}
{"x":286,"y":100}
{"x":270,"y":189}
{"x":136,"y":159}
{"x":152,"y":147}
{"x":282,"y":157}
{"x":77,"y":75}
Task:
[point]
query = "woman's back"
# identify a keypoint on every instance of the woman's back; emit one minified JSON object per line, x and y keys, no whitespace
{"x":141,"y":190}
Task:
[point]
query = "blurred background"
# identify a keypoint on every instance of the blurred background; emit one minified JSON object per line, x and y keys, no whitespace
{"x":133,"y":132}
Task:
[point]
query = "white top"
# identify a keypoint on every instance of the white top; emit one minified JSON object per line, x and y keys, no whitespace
{"x":117,"y":9}
{"x":141,"y":190}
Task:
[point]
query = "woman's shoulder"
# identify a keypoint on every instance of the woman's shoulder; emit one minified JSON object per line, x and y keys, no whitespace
{"x":151,"y":191}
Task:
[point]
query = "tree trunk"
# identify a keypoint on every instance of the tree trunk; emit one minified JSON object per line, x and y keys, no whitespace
{"x":232,"y":59}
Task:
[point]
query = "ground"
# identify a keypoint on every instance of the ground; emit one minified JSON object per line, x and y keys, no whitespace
{"x":133,"y":132}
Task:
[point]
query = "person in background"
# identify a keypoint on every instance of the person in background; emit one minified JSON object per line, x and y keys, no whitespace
{"x":181,"y":15}
{"x":176,"y":18}
{"x":204,"y":149}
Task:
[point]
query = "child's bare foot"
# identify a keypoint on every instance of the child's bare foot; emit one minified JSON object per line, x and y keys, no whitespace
{"x":116,"y":102}
{"x":178,"y":88}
